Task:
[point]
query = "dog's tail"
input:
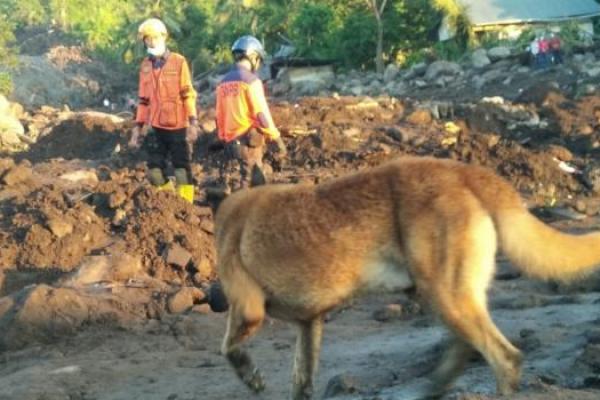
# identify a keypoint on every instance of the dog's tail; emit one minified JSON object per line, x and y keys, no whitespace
{"x":542,"y":251}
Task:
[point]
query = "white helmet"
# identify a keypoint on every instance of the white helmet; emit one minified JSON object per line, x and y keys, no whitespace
{"x":152,"y":27}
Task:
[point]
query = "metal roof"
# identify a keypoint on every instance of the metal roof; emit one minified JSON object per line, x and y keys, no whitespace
{"x":493,"y":12}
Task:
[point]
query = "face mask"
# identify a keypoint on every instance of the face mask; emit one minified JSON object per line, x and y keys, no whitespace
{"x":157,"y":51}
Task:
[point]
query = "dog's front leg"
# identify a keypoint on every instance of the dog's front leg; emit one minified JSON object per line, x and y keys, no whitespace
{"x":306,"y":360}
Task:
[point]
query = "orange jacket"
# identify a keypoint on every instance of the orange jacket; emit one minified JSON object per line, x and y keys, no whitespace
{"x":167,"y":97}
{"x":241,"y":105}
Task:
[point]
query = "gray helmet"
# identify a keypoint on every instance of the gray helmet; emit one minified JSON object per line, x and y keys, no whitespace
{"x":247,"y":45}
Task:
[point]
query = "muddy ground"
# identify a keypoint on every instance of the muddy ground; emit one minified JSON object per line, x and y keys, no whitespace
{"x":103,"y":278}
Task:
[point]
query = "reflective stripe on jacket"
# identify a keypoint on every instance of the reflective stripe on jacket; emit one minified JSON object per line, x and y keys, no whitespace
{"x":241,"y":105}
{"x":167,"y":98}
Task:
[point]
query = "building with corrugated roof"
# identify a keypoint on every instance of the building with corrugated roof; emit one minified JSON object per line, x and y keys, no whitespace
{"x":510,"y":17}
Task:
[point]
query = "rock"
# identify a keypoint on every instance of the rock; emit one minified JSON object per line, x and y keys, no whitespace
{"x":420,"y":117}
{"x":310,"y":88}
{"x":388,"y":313}
{"x":202,"y":309}
{"x":342,"y":384}
{"x":592,"y":72}
{"x":117,"y":199}
{"x":351,"y":132}
{"x":560,"y":152}
{"x":205,"y":269}
{"x":416,"y":70}
{"x":442,"y":68}
{"x":11,"y":130}
{"x":479,"y":58}
{"x":207,"y":226}
{"x":120,"y":218}
{"x":80,"y":176}
{"x":59,"y":227}
{"x":400,"y":134}
{"x":17,"y":110}
{"x":357,"y":90}
{"x":185,"y":299}
{"x":307,"y":80}
{"x":498,"y":53}
{"x":390,"y":73}
{"x":591,"y":177}
{"x":590,"y":356}
{"x":6,"y":164}
{"x":18,"y":174}
{"x":4,"y":105}
{"x":589,"y":206}
{"x":118,"y":267}
{"x":177,"y":255}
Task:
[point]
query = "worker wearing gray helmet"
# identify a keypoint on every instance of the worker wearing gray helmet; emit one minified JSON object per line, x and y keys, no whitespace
{"x":244,"y":121}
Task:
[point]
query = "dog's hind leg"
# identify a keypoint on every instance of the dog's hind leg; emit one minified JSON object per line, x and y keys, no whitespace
{"x":306,"y":359}
{"x":246,"y":314}
{"x":452,"y":365}
{"x":460,"y":297}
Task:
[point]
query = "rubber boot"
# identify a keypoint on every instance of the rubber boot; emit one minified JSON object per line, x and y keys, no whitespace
{"x":156,"y":177}
{"x":186,"y":192}
{"x":167,"y":187}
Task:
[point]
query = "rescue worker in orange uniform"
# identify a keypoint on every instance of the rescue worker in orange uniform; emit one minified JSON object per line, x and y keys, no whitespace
{"x":167,"y":103}
{"x":244,"y":122}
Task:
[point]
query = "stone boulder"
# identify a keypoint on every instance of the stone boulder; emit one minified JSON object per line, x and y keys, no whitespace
{"x":498,"y":53}
{"x":11,"y":129}
{"x":480,"y":59}
{"x":307,"y":80}
{"x":442,"y":68}
{"x":390,"y":73}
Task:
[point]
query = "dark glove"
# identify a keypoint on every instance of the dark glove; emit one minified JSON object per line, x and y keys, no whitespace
{"x":281,"y":149}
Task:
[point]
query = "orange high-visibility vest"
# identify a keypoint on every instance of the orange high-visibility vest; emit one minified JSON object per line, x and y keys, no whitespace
{"x":241,"y":105}
{"x":167,"y":97}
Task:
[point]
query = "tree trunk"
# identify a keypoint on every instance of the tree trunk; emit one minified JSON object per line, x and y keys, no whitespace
{"x":378,"y":12}
{"x":379,"y":55}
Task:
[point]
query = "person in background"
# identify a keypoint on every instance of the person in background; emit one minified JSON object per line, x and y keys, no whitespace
{"x":544,"y":53}
{"x":244,"y":122}
{"x":555,"y":51}
{"x":167,"y":103}
{"x":534,"y":49}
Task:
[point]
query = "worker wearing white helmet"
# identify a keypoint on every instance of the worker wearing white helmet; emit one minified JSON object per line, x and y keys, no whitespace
{"x":167,"y":103}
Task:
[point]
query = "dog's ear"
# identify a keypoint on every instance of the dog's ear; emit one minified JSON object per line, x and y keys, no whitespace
{"x":215,"y":196}
{"x":257,"y":177}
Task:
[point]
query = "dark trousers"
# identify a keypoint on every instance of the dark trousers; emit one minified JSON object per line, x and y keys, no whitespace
{"x":243,"y":155}
{"x":164,"y":145}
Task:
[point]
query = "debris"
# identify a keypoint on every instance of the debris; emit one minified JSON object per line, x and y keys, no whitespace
{"x":452,"y":128}
{"x":564,"y":166}
{"x":177,"y":256}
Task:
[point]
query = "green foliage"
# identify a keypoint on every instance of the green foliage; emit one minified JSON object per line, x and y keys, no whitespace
{"x":203,"y":30}
{"x":457,"y":19}
{"x":357,"y":40}
{"x":6,"y":86}
{"x":8,"y":57}
{"x":311,"y":30}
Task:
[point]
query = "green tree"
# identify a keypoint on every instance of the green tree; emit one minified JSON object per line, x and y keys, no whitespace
{"x":8,"y":57}
{"x":311,"y":30}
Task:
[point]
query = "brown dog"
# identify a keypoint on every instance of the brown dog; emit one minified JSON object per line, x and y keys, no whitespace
{"x":297,"y":251}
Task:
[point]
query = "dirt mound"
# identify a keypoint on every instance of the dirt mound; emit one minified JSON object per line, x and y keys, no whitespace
{"x":84,"y":135}
{"x":44,"y":314}
{"x":51,"y":222}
